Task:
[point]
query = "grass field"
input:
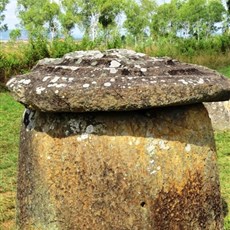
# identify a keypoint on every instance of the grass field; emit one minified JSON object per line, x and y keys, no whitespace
{"x":225,"y":71}
{"x":10,"y":116}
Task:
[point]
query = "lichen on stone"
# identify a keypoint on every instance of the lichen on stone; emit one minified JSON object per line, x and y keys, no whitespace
{"x":115,"y":80}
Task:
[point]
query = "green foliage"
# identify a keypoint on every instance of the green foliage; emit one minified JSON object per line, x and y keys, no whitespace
{"x":15,"y":34}
{"x":38,"y":17}
{"x":59,"y":47}
{"x":228,"y":5}
{"x":166,"y":20}
{"x":12,"y":63}
{"x":223,"y":149}
{"x":3,"y":4}
{"x":69,"y":16}
{"x":138,"y":16}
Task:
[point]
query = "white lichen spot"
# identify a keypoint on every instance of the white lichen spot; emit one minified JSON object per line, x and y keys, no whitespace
{"x":48,"y":158}
{"x":66,"y":132}
{"x":130,"y":78}
{"x":86,"y":85}
{"x":10,"y":82}
{"x":98,"y":55}
{"x":73,"y":68}
{"x":153,"y":82}
{"x":70,"y":79}
{"x":40,"y":89}
{"x":137,"y":142}
{"x":83,"y":136}
{"x":55,"y":79}
{"x":56,"y":91}
{"x":60,"y":85}
{"x":113,"y":70}
{"x":94,"y":82}
{"x":201,"y":81}
{"x":27,"y":82}
{"x":183,"y":81}
{"x":188,"y":148}
{"x":89,"y":129}
{"x":152,"y":162}
{"x":130,"y":143}
{"x":162,"y":145}
{"x":46,"y":78}
{"x":140,"y":54}
{"x":64,"y":78}
{"x":153,"y":172}
{"x":74,"y":125}
{"x":144,"y":79}
{"x":143,"y":69}
{"x":158,"y":168}
{"x":163,"y":81}
{"x":114,"y":64}
{"x":107,"y":84}
{"x":150,"y":149}
{"x":112,"y":79}
{"x":56,"y":85}
{"x":94,"y":63}
{"x":137,"y":66}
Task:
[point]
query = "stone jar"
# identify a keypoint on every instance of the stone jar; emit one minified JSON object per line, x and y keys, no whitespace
{"x":118,"y":140}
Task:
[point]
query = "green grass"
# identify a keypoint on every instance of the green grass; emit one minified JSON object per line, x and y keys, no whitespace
{"x":10,"y":113}
{"x":225,"y":71}
{"x":10,"y":116}
{"x":223,"y":150}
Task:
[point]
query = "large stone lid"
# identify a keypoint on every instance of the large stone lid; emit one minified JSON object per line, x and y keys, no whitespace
{"x":115,"y":80}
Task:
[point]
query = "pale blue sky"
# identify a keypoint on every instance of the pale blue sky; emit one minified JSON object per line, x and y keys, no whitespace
{"x":11,"y":18}
{"x":10,"y":14}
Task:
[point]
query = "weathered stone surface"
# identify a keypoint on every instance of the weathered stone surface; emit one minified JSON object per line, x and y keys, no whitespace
{"x":219,"y":112}
{"x":152,"y":169}
{"x":115,"y":80}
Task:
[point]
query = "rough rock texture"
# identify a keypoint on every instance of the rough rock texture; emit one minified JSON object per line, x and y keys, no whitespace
{"x":152,"y":169}
{"x":115,"y":80}
{"x":219,"y":112}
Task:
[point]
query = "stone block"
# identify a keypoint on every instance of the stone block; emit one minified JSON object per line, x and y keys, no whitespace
{"x":118,"y":140}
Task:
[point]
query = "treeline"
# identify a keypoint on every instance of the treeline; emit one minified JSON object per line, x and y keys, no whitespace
{"x":109,"y":18}
{"x":182,"y":29}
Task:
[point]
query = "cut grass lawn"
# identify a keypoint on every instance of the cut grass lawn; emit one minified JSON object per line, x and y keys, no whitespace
{"x":10,"y":116}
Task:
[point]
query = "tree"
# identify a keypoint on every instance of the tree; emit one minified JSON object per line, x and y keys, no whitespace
{"x":199,"y":17}
{"x":165,"y":22}
{"x":51,"y":13}
{"x":38,"y":17}
{"x":228,"y":5}
{"x":15,"y":34}
{"x":226,"y":23}
{"x":68,"y":16}
{"x":214,"y":14}
{"x":138,"y":16}
{"x":93,"y":13}
{"x":3,"y":4}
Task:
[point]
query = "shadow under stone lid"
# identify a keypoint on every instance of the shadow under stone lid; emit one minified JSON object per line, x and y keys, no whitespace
{"x":115,"y":80}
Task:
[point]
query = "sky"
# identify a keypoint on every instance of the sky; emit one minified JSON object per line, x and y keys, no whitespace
{"x":10,"y":14}
{"x":11,"y":18}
